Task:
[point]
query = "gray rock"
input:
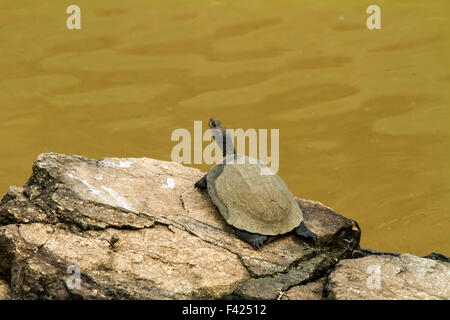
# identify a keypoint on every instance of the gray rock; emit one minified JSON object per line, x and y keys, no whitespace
{"x":137,"y":229}
{"x":386,"y":277}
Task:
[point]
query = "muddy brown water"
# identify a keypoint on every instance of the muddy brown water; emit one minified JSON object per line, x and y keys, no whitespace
{"x":364,"y":116}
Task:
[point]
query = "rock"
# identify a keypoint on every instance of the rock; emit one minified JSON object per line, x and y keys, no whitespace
{"x":137,"y":229}
{"x":4,"y":288}
{"x":402,"y":277}
{"x":309,"y":291}
{"x":269,"y":287}
{"x":362,"y":252}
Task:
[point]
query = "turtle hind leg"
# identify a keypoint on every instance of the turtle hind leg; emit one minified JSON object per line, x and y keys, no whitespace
{"x":304,"y":232}
{"x":254,"y":239}
{"x":201,"y":184}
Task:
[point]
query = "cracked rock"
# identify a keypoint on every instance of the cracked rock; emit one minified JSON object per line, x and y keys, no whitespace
{"x":137,"y":229}
{"x":308,"y":291}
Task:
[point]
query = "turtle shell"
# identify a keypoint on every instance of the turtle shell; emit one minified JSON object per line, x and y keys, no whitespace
{"x":252,"y":201}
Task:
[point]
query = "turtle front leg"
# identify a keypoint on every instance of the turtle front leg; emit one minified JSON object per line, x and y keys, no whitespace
{"x":254,"y":239}
{"x":201,"y":184}
{"x":304,"y":232}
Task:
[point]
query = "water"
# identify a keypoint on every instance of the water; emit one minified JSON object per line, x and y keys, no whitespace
{"x":363,"y":115}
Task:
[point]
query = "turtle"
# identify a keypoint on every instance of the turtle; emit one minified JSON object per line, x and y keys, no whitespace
{"x":260,"y":207}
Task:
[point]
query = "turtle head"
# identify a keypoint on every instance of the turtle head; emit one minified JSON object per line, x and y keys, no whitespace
{"x":222,"y":137}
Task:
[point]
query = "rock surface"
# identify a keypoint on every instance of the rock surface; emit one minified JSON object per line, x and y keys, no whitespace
{"x":137,"y":229}
{"x":390,"y":277}
{"x":309,"y":291}
{"x":4,"y":288}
